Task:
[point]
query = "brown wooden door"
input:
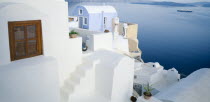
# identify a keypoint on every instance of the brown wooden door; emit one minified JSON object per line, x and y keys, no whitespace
{"x":25,"y":39}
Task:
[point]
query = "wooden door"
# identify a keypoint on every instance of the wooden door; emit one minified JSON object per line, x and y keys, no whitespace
{"x":25,"y":39}
{"x":80,"y":22}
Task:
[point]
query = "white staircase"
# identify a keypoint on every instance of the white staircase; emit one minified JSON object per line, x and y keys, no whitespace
{"x":78,"y":81}
{"x":104,"y":76}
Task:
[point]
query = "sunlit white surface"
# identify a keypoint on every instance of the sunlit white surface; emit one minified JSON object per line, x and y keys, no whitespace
{"x":104,"y":75}
{"x":194,"y":88}
{"x":30,"y":80}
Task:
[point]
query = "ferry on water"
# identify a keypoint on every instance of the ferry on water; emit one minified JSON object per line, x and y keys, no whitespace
{"x":184,"y":11}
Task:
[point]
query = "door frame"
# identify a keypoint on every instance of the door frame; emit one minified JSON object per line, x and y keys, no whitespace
{"x":82,"y":18}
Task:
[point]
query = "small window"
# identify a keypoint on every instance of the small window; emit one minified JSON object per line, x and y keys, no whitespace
{"x":85,"y":21}
{"x":25,"y":39}
{"x":135,"y":76}
{"x":80,"y":11}
{"x":105,"y":20}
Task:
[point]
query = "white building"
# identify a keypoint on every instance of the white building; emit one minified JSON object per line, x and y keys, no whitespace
{"x":193,"y":88}
{"x":168,"y":85}
{"x":95,"y":18}
{"x":39,"y":63}
{"x":155,"y":75}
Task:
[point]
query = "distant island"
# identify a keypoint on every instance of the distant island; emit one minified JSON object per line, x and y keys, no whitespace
{"x":175,"y":4}
{"x":201,"y":4}
{"x":206,"y":5}
{"x":164,"y":3}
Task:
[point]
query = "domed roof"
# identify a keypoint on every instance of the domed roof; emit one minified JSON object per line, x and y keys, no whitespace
{"x":99,"y":9}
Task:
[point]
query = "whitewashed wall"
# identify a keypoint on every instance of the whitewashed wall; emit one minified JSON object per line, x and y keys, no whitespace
{"x":95,"y":40}
{"x":56,"y":42}
{"x":114,"y":76}
{"x":122,"y":88}
{"x":103,"y":40}
{"x":188,"y":89}
{"x":74,"y":24}
{"x":30,"y":80}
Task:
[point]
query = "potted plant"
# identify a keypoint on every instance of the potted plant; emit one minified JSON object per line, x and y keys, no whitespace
{"x":133,"y":99}
{"x":73,"y":34}
{"x":147,"y":93}
{"x":106,"y":31}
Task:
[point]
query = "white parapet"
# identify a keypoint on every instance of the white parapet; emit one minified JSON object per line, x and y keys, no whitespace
{"x":193,"y":88}
{"x":155,"y":75}
{"x":121,"y":44}
{"x":173,"y":75}
{"x":30,"y":80}
{"x":95,"y":40}
{"x":149,"y":73}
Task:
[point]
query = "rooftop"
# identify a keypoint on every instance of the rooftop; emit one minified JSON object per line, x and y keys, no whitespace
{"x":99,"y":9}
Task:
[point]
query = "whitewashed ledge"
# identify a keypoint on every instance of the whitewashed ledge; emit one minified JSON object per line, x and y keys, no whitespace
{"x":152,"y":99}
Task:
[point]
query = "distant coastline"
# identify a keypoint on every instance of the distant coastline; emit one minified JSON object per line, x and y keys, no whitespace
{"x":175,"y":4}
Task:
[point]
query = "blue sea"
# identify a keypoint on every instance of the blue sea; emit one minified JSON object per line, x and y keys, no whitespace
{"x":174,"y":39}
